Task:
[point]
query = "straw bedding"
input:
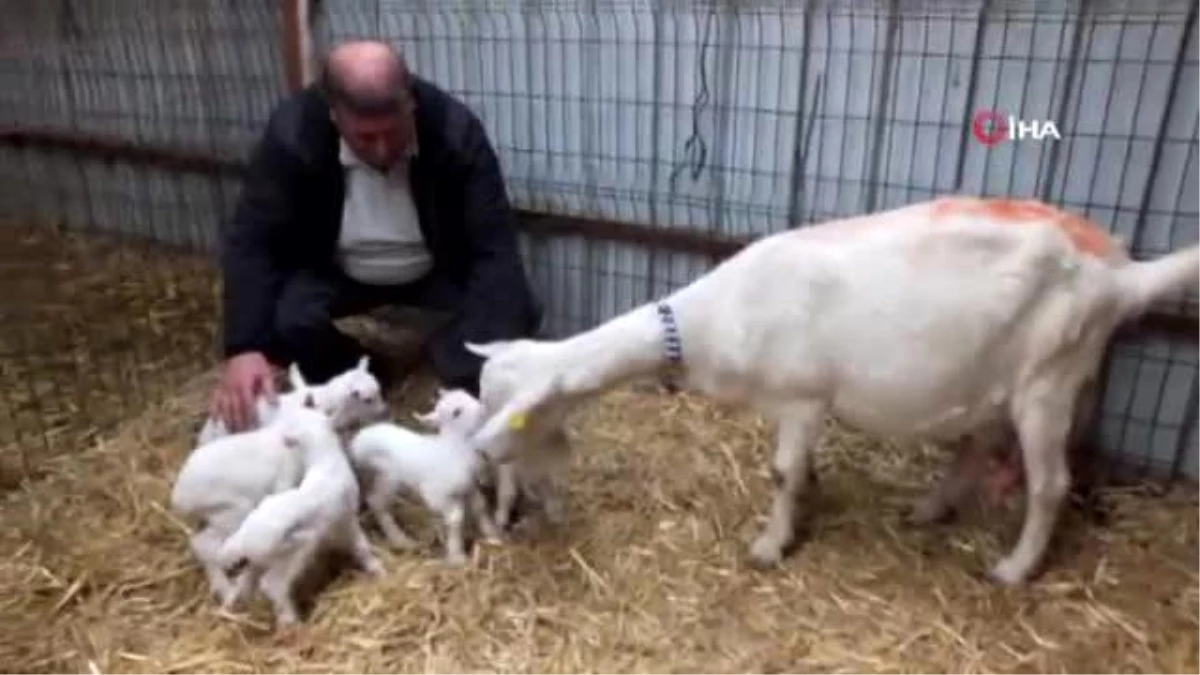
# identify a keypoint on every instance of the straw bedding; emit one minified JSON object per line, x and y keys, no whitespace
{"x":649,"y":574}
{"x":94,"y":326}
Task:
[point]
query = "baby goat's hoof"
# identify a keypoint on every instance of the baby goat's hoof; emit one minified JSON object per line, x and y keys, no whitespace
{"x":375,"y":569}
{"x":1007,"y":573}
{"x":402,"y":544}
{"x":765,"y":553}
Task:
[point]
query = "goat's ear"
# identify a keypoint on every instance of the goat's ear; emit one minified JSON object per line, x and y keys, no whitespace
{"x":489,"y":349}
{"x":363,"y":363}
{"x":295,"y":378}
{"x":428,"y":419}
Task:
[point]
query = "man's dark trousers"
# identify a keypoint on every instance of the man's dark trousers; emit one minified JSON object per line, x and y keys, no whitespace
{"x":304,"y":333}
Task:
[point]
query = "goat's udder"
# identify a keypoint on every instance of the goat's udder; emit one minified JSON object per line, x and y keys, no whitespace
{"x":1005,"y":477}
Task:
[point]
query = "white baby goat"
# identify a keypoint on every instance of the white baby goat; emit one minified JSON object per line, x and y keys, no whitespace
{"x":930,"y":321}
{"x":221,"y":482}
{"x":353,"y":397}
{"x":287,"y":530}
{"x":442,"y":469}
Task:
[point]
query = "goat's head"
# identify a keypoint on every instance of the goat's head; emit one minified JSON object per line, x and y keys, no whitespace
{"x":358,"y":395}
{"x":455,"y":411}
{"x":520,"y":380}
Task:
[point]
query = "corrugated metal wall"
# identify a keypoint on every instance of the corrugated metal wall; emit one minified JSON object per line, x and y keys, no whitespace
{"x":739,"y":118}
{"x":193,"y":74}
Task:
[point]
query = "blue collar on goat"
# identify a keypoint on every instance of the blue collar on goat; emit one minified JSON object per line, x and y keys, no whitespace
{"x":674,"y":348}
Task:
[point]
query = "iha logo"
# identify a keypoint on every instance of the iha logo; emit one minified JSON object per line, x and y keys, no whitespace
{"x":993,"y":127}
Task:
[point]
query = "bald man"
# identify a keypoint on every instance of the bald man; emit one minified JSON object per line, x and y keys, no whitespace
{"x":372,"y":187}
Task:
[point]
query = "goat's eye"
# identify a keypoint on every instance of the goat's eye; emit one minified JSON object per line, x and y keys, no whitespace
{"x":456,"y":414}
{"x":355,"y":395}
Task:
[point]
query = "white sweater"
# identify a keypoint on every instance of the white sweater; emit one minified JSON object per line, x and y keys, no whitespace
{"x":381,"y":240}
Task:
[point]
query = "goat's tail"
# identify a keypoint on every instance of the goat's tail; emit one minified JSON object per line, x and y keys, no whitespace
{"x":1143,"y":283}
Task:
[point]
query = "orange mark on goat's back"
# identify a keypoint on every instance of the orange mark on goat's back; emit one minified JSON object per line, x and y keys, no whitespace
{"x":1084,"y":234}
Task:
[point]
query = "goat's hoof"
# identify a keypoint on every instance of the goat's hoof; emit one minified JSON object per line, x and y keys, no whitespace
{"x":765,"y":552}
{"x":229,"y":603}
{"x":1007,"y":573}
{"x":375,"y":569}
{"x":495,"y":539}
{"x":398,"y":544}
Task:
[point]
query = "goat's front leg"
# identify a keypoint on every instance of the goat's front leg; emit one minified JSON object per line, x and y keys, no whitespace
{"x":1043,"y":428}
{"x":798,"y":432}
{"x":453,"y":516}
{"x":205,"y":545}
{"x":359,"y":548}
{"x":506,"y":493}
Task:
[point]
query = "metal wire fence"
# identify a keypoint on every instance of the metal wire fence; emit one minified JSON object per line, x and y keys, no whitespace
{"x":718,"y":120}
{"x":109,"y":292}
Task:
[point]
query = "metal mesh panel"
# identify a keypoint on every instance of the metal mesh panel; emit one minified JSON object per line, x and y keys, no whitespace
{"x":110,"y":294}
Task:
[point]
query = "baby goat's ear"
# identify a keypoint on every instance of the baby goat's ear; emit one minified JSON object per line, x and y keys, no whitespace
{"x":428,"y":419}
{"x":363,"y":363}
{"x":295,"y":378}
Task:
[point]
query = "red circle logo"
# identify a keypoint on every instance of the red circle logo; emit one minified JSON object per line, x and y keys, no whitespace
{"x":993,"y":133}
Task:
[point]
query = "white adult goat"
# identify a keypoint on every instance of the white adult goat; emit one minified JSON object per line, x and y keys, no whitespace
{"x":933,"y":321}
{"x":442,"y":469}
{"x":288,"y":529}
{"x":353,"y":396}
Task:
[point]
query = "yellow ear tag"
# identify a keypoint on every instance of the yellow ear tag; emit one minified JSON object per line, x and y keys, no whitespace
{"x":517,"y":421}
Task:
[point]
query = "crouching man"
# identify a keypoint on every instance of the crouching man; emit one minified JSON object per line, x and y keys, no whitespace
{"x":373,"y":187}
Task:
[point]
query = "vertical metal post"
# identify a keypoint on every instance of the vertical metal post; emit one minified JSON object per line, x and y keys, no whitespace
{"x":296,"y":43}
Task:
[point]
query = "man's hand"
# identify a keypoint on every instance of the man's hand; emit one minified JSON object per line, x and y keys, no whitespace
{"x":245,"y":377}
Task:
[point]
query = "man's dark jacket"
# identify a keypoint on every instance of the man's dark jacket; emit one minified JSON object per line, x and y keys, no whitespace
{"x":289,"y":216}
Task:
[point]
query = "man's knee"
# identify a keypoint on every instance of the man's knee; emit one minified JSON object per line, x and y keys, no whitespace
{"x":304,"y":332}
{"x":298,"y":324}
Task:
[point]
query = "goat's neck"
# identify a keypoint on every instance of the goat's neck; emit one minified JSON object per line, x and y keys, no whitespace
{"x":622,"y":348}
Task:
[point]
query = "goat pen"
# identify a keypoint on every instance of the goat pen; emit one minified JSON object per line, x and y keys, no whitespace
{"x":642,"y":142}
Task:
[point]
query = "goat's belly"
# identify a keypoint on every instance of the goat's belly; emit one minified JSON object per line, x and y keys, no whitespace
{"x":917,"y":411}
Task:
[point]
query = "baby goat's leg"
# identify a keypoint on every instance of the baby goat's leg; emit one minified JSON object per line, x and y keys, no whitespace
{"x":244,"y":581}
{"x":359,"y":548}
{"x":553,"y":503}
{"x":799,"y":430}
{"x":277,"y":581}
{"x":1042,"y":426}
{"x":453,"y":516}
{"x":379,"y":501}
{"x":206,"y":543}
